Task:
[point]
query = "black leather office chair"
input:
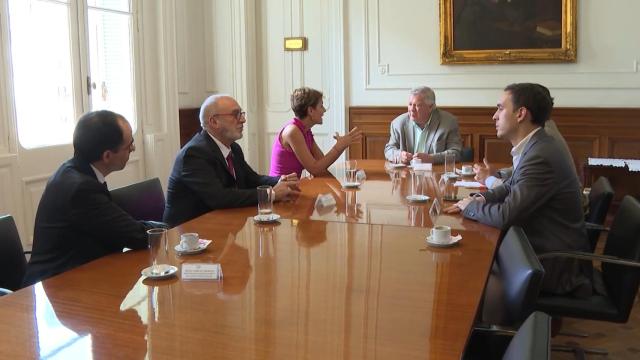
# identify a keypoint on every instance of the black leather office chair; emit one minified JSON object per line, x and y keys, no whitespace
{"x":143,"y":200}
{"x":466,"y":154}
{"x":13,"y":263}
{"x":599,"y":201}
{"x":514,"y":282}
{"x":531,"y":342}
{"x":620,"y":273}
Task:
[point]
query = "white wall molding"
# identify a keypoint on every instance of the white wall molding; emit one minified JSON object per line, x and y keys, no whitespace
{"x":9,"y":191}
{"x":32,"y":188}
{"x":159,"y":81}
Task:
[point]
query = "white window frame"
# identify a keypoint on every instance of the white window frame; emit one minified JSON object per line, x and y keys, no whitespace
{"x":78,"y":19}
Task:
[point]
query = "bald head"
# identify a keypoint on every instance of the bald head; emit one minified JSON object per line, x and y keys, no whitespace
{"x":223,"y":118}
{"x":210,"y":107}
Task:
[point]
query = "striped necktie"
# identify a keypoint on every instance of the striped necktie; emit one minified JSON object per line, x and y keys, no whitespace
{"x":232,"y":171}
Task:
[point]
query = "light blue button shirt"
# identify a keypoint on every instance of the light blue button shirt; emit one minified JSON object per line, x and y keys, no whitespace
{"x":420,"y":136}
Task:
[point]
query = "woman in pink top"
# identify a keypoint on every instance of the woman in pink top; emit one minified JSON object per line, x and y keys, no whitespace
{"x":295,"y":149}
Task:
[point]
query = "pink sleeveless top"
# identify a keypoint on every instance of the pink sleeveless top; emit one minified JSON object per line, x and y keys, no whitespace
{"x":283,"y":160}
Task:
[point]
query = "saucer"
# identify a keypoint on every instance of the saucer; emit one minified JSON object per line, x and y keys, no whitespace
{"x":417,"y":198}
{"x":398,"y":165}
{"x":451,"y":175}
{"x":351,"y":184}
{"x":165,"y":272}
{"x":267,"y":218}
{"x":198,"y":249}
{"x":453,"y":241}
{"x":465,"y":173}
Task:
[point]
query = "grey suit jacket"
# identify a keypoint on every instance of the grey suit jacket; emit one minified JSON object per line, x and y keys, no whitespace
{"x":552,"y":129}
{"x":543,"y":197}
{"x":443,"y":136}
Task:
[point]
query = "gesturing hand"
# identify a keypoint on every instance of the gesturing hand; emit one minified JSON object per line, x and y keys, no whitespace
{"x":483,"y":172}
{"x":352,"y":136}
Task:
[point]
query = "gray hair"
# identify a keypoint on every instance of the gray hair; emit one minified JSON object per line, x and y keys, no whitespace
{"x":208,"y":107}
{"x":426,"y":92}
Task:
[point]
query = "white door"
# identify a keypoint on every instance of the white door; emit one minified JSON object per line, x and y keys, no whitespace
{"x":320,"y":66}
{"x":63,"y":58}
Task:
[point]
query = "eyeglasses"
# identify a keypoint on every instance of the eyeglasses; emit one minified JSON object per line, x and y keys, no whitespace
{"x":236,"y":114}
{"x":131,"y":147}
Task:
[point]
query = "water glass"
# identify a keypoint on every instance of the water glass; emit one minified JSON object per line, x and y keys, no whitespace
{"x":350,"y":171}
{"x":449,"y":163}
{"x":265,"y":200}
{"x":447,"y":187}
{"x":158,"y":248}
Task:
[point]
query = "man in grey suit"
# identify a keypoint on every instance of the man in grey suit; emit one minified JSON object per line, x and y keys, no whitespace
{"x":491,"y":177}
{"x":542,"y":195}
{"x":424,"y":132}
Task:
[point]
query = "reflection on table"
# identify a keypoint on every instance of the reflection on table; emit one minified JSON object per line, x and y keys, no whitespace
{"x":352,"y":287}
{"x":297,"y":289}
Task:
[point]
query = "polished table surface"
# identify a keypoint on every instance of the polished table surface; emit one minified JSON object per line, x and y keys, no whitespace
{"x":300,"y":288}
{"x":381,"y":199}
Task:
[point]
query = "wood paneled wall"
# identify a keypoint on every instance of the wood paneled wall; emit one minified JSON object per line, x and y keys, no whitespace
{"x":599,"y":132}
{"x":189,"y":124}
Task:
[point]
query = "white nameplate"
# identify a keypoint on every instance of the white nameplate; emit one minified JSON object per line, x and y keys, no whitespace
{"x":423,"y":167}
{"x":201,"y":271}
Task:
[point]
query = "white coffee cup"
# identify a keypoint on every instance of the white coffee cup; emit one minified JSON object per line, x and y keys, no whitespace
{"x":467,"y":169}
{"x":440,"y":234}
{"x":189,"y":241}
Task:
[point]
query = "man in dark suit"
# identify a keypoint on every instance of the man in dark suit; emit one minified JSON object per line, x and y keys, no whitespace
{"x":210,"y":171}
{"x":543,"y":193}
{"x":424,"y":131}
{"x":76,"y":220}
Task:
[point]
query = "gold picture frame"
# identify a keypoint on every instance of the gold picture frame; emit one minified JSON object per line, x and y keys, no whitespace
{"x":507,"y":31}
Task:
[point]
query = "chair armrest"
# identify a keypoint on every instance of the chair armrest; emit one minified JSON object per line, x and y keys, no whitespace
{"x":592,"y":226}
{"x":4,"y":291}
{"x":495,"y":329}
{"x":590,"y":256}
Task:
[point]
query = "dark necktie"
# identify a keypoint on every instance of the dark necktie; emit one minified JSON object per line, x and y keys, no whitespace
{"x":230,"y":165}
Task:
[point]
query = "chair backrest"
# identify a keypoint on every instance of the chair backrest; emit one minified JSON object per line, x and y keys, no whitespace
{"x":143,"y":200}
{"x":533,"y":339}
{"x":624,"y":242}
{"x":13,"y":264}
{"x":467,"y":154}
{"x":599,"y":201}
{"x":521,"y":274}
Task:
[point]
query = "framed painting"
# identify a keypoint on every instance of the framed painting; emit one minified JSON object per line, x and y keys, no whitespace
{"x":507,"y":31}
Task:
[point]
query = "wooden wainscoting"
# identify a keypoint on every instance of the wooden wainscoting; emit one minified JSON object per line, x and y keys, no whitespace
{"x":598,"y":132}
{"x":189,"y":119}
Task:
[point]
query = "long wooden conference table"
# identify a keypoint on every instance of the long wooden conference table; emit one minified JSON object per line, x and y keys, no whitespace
{"x":349,"y":281}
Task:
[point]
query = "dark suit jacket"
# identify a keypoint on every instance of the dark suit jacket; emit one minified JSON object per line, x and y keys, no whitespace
{"x":543,"y":197}
{"x":77,"y":222}
{"x":200,"y":181}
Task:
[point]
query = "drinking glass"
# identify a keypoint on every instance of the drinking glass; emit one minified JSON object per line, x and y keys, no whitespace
{"x":265,"y":200}
{"x":350,"y":171}
{"x":417,"y":182}
{"x":449,"y":163}
{"x":447,"y":187}
{"x":157,"y":248}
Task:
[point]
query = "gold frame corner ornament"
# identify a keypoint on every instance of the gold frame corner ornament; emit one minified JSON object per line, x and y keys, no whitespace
{"x":566,"y":53}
